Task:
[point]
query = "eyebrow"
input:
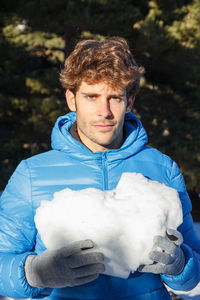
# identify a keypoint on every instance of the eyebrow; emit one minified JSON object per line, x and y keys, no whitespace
{"x":109,"y":96}
{"x":90,"y":94}
{"x":116,"y":95}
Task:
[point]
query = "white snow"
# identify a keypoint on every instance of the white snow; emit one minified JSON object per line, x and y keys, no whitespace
{"x":122,"y":223}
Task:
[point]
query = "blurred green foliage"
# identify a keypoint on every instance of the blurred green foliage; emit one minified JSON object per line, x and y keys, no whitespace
{"x":36,"y":36}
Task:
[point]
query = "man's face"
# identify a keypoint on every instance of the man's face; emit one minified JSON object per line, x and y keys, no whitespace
{"x":100,"y":111}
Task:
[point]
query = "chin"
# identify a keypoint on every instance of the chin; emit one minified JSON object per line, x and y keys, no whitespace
{"x":106,"y":143}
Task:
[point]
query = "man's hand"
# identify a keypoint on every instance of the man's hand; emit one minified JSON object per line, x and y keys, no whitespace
{"x":68,"y":266}
{"x":170,"y":259}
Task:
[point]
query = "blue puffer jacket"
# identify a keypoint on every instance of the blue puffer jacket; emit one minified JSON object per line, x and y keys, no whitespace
{"x":71,"y":164}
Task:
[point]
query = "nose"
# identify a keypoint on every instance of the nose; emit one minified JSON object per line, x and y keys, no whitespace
{"x":103,"y":109}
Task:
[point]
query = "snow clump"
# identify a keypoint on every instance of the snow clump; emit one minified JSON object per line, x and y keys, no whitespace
{"x":122,"y":223}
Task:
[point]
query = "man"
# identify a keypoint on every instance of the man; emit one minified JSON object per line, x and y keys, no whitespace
{"x":92,"y":146}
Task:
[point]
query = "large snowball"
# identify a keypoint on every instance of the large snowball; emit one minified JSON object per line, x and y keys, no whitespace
{"x":122,"y":223}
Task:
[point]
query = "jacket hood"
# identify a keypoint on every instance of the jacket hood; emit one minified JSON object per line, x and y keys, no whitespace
{"x":62,"y":140}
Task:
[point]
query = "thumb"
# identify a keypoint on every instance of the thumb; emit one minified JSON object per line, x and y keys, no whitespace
{"x":174,"y":236}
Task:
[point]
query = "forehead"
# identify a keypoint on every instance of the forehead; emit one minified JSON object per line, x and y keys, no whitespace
{"x":101,"y":87}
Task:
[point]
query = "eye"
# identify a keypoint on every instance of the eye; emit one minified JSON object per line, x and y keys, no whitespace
{"x":91,"y":97}
{"x":116,"y":99}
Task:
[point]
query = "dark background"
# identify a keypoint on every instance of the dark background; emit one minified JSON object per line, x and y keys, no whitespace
{"x":37,"y":35}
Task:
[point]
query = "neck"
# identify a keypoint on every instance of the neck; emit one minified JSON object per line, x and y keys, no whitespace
{"x":74,"y":132}
{"x":94,"y":147}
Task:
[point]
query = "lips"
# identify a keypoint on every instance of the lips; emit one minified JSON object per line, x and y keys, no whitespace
{"x":103,"y":126}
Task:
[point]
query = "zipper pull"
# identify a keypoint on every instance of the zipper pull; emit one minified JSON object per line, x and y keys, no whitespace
{"x":104,"y":155}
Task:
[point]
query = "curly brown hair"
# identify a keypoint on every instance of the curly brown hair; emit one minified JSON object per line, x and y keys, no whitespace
{"x":110,"y":61}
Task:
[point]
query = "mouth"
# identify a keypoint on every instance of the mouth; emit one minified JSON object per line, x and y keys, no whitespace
{"x":103,"y":127}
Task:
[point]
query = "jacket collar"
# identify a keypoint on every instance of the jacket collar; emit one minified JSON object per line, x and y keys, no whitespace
{"x":62,"y":140}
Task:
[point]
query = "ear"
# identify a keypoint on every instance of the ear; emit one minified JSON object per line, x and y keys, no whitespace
{"x":130,"y":103}
{"x":71,"y":101}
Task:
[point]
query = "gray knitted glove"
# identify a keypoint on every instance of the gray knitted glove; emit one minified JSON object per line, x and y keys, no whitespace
{"x":68,"y":266}
{"x":170,"y":260}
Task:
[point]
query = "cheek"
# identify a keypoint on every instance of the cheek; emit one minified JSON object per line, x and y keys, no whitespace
{"x":120,"y":113}
{"x":86,"y":108}
{"x":83,"y":117}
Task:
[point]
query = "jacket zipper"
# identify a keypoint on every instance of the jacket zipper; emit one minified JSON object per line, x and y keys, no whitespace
{"x":105,"y":171}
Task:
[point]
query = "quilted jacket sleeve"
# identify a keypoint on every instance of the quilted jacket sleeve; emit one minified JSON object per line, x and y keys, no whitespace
{"x":190,"y":276}
{"x":17,"y":234}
